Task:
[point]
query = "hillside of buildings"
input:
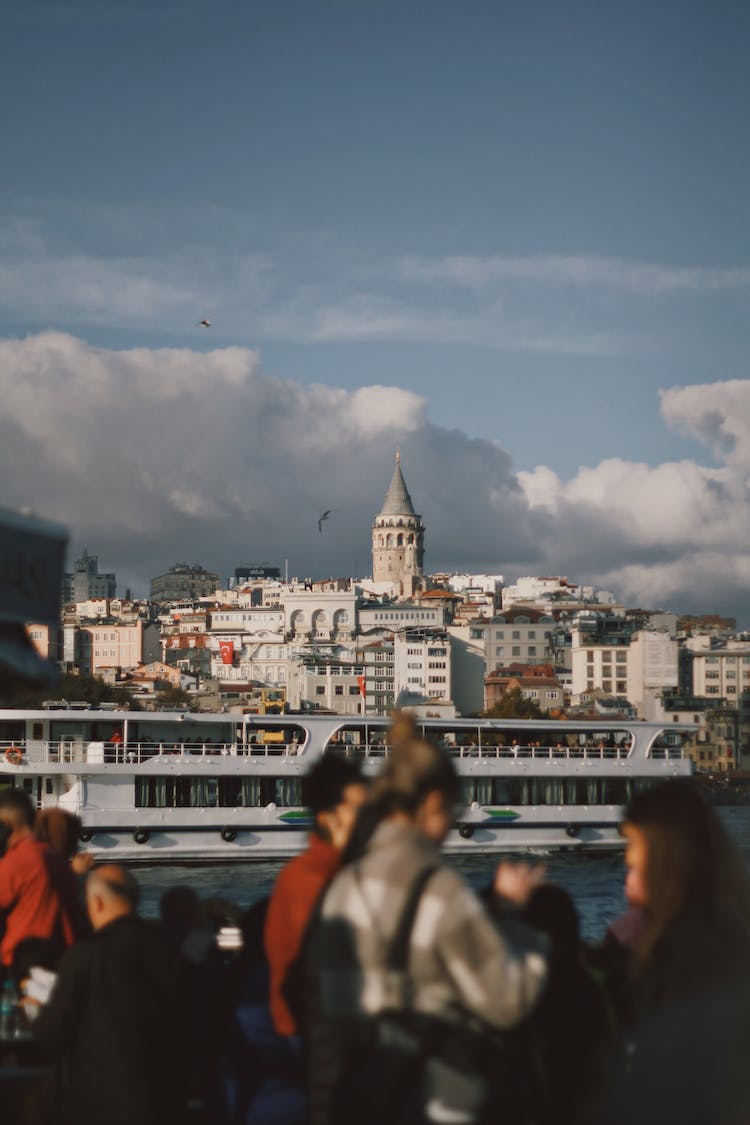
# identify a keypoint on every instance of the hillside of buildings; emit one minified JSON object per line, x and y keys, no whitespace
{"x":439,"y":644}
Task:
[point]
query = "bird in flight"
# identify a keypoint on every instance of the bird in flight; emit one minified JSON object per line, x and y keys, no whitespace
{"x":205,"y":323}
{"x":325,"y":516}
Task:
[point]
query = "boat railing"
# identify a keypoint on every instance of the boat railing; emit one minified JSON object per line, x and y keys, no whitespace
{"x":70,"y":751}
{"x":474,"y":750}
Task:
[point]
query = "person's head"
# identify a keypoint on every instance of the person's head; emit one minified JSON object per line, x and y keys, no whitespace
{"x":679,"y":858}
{"x":111,"y":893}
{"x":16,"y":810}
{"x":418,"y":783}
{"x":60,"y":829}
{"x":334,"y":791}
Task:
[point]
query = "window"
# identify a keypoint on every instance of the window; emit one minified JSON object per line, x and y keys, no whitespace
{"x":622,"y":686}
{"x":339,"y":689}
{"x":499,"y":634}
{"x":353,"y":689}
{"x":516,"y":634}
{"x":621,"y":657}
{"x":589,"y":657}
{"x":532,"y":650}
{"x":607,"y":657}
{"x":712,"y":690}
{"x":499,"y":650}
{"x":516,"y":650}
{"x":320,"y":689}
{"x":531,"y":635}
{"x":606,"y":685}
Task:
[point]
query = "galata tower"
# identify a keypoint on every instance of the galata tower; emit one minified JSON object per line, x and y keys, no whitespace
{"x":397,"y":537}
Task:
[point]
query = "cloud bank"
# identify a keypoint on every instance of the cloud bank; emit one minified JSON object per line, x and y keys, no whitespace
{"x":153,"y":456}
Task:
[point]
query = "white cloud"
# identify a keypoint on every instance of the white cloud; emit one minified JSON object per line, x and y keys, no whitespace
{"x":151,"y":455}
{"x":477,"y":271}
{"x":677,"y":533}
{"x":718,"y":414}
{"x":156,"y":455}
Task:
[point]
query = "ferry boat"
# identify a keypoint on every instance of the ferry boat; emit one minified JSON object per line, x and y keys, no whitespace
{"x":179,"y":787}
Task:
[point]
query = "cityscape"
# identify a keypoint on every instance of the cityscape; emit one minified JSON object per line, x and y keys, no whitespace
{"x":440,"y":645}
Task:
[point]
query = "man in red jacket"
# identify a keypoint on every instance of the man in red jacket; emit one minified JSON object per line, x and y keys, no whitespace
{"x":333,"y":791}
{"x":35,"y":889}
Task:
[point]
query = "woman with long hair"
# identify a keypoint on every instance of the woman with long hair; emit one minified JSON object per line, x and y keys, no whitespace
{"x":686,"y":1048}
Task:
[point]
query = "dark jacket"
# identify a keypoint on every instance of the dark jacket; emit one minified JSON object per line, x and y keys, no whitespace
{"x":113,"y":1029}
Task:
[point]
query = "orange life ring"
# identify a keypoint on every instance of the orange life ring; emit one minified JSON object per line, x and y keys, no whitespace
{"x":14,"y":755}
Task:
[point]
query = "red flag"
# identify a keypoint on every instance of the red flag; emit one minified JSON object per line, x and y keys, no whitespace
{"x":226,"y":648}
{"x":362,"y":687}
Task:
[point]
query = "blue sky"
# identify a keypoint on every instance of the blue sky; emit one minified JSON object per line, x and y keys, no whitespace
{"x":532,"y":215}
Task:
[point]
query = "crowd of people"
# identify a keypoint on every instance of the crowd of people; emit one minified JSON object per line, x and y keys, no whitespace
{"x":374,"y":985}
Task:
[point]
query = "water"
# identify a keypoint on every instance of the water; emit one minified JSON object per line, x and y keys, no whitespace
{"x":593,"y":880}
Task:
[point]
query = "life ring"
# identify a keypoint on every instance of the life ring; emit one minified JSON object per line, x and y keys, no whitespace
{"x":466,"y":831}
{"x":228,"y":835}
{"x":141,"y":836}
{"x":14,"y":755}
{"x":572,"y":830}
{"x":85,"y":836}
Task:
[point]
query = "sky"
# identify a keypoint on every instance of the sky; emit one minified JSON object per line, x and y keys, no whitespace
{"x":509,"y":238}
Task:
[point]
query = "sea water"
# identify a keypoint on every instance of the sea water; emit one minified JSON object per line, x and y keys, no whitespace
{"x":594,"y":880}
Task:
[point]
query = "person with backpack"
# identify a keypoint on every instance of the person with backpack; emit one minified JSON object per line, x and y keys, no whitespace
{"x":416,"y":985}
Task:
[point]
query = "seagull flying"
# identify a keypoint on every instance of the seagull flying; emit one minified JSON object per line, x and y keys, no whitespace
{"x":325,"y":516}
{"x":205,"y":323}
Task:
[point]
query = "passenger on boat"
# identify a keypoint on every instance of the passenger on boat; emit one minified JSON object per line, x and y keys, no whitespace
{"x":690,"y":975}
{"x":462,"y":965}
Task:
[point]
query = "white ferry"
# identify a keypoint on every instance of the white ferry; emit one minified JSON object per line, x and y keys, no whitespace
{"x":175,"y":787}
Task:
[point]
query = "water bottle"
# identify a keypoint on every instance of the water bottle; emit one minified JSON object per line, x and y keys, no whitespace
{"x":8,"y":1010}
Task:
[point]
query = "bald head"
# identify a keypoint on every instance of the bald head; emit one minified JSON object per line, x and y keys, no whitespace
{"x":111,"y":892}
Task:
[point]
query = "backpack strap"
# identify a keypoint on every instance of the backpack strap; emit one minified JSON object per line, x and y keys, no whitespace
{"x":397,"y":955}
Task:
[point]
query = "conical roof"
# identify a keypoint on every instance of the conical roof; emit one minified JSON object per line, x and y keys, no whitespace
{"x":397,"y":499}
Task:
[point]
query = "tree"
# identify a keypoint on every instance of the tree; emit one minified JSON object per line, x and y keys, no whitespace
{"x":514,"y":705}
{"x":172,"y":696}
{"x":92,"y":689}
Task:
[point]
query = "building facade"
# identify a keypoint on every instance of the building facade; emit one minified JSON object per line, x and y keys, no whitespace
{"x":183,"y":581}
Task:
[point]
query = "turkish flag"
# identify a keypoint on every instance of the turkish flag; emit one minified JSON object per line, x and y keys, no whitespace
{"x":362,"y":687}
{"x":226,"y":648}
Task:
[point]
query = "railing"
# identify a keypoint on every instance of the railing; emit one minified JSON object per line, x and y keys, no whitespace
{"x":568,"y":753}
{"x":64,"y":751}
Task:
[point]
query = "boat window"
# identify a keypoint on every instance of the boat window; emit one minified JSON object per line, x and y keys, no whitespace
{"x":212,"y":792}
{"x":552,"y":791}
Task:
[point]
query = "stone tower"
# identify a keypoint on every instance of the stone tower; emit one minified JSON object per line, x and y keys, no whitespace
{"x":398,"y":537}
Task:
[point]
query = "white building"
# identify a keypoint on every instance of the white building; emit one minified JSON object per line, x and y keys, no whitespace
{"x":636,"y":666}
{"x":520,"y":635}
{"x":421,"y":666}
{"x":721,"y":671}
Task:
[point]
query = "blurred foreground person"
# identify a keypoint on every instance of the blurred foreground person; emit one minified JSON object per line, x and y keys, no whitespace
{"x":412,"y":970}
{"x":333,"y":792}
{"x":113,"y":1027}
{"x":36,"y":885}
{"x":687,"y":1046}
{"x":61,"y":830}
